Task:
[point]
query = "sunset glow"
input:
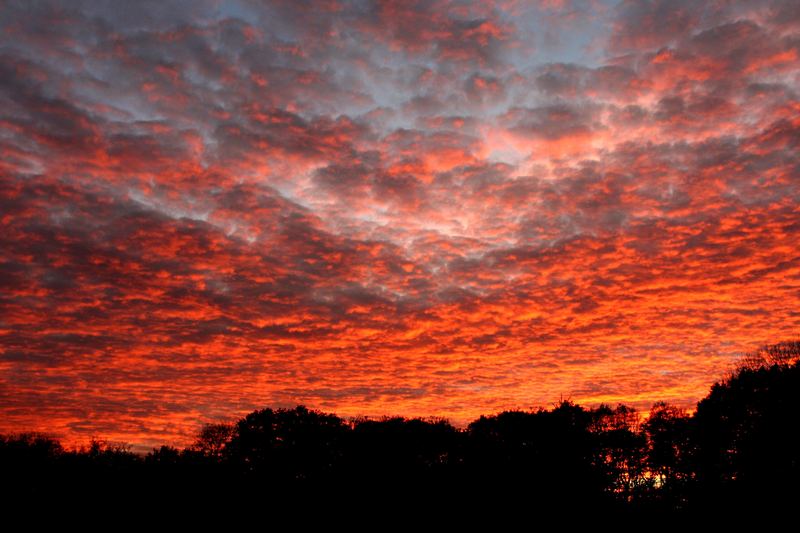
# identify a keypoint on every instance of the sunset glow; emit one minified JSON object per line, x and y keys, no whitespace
{"x":388,"y":208}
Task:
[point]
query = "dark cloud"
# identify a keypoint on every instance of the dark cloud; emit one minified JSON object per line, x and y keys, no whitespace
{"x":552,"y":122}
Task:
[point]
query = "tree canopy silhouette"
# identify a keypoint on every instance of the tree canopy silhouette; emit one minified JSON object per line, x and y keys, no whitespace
{"x":740,"y":447}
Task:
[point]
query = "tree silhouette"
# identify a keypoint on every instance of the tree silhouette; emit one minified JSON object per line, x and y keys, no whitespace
{"x":213,"y":438}
{"x":396,"y":453}
{"x":739,"y":450}
{"x":746,"y":437}
{"x":668,"y":432}
{"x":552,"y":455}
{"x":621,"y":449}
{"x":287,"y":446}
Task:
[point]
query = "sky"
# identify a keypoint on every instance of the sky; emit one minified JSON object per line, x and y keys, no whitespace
{"x":417,"y":208}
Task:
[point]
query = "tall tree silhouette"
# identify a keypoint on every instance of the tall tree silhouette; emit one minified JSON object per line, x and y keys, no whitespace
{"x":287,"y":447}
{"x":548,"y":458}
{"x":621,"y":449}
{"x":213,"y":438}
{"x":746,"y":433}
{"x":670,"y":447}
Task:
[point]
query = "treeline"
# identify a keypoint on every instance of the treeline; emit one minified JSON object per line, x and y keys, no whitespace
{"x":740,"y":449}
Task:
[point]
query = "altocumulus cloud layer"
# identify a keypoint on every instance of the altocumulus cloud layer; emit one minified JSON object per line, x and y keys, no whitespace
{"x":419,"y":208}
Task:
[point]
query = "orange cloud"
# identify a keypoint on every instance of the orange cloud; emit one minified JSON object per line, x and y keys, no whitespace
{"x":387,"y":209}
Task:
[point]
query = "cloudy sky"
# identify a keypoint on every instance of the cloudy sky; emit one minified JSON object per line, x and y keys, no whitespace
{"x":417,"y":208}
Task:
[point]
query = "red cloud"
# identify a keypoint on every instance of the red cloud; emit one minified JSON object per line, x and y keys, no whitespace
{"x":386,"y":208}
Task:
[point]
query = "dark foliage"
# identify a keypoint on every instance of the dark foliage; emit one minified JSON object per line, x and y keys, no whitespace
{"x":739,"y":450}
